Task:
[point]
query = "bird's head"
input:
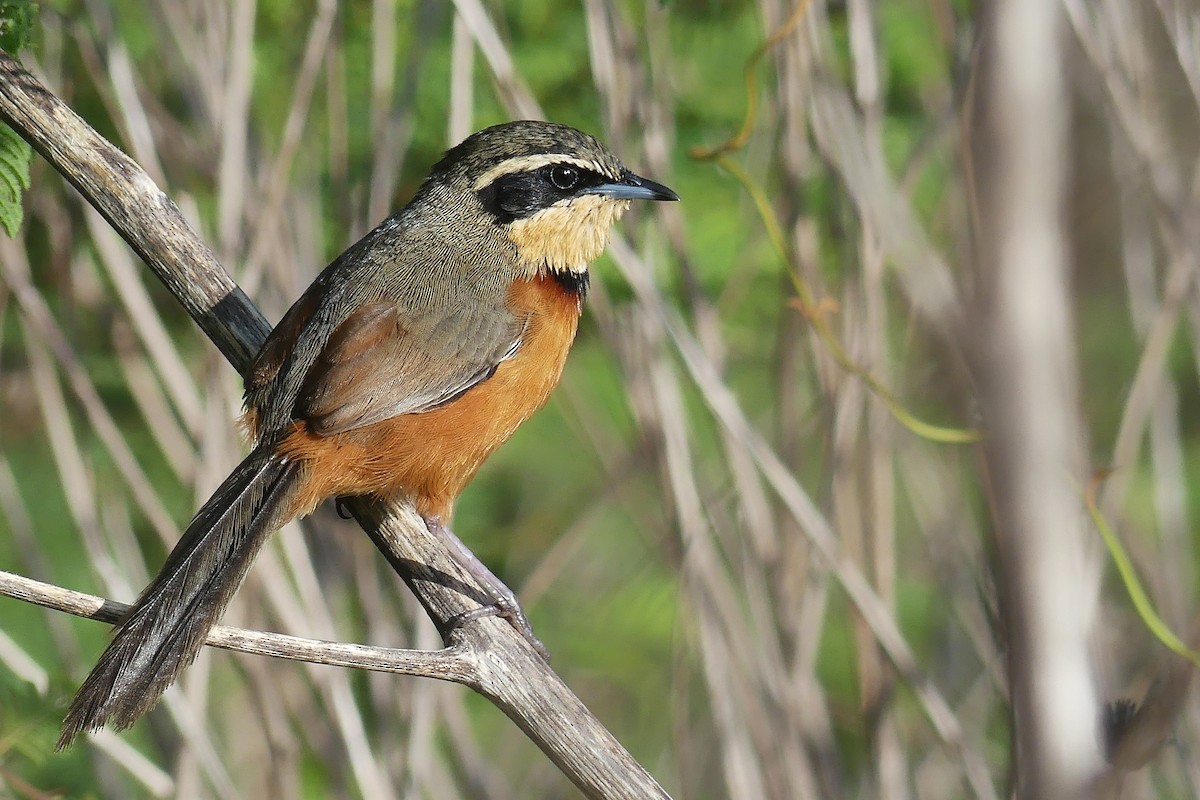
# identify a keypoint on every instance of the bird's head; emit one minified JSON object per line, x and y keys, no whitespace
{"x":555,"y":191}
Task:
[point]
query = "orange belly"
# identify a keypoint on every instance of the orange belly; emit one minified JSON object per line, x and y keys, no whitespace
{"x":429,"y":457}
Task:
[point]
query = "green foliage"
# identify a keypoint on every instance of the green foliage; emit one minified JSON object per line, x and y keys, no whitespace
{"x":15,"y":158}
{"x":16,"y":28}
{"x":28,"y":722}
{"x":16,"y":24}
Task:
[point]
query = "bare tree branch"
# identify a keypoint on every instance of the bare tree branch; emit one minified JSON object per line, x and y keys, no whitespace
{"x":454,"y":664}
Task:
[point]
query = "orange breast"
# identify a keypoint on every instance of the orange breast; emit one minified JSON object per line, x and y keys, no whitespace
{"x":429,"y":457}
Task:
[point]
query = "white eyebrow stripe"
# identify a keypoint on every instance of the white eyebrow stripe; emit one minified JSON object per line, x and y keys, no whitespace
{"x":528,"y":163}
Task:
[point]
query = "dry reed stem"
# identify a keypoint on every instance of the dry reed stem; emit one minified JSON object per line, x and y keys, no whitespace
{"x":1029,"y":373}
{"x":37,"y":316}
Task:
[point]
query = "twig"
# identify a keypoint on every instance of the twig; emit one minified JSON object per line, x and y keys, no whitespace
{"x":454,"y":663}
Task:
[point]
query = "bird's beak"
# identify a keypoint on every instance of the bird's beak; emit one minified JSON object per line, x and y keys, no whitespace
{"x":634,"y":187}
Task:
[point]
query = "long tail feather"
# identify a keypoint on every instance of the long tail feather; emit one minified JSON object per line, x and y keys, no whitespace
{"x":165,"y":629}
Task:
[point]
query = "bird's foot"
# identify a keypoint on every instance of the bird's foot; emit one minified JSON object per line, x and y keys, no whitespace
{"x":510,"y":611}
{"x":504,"y":601}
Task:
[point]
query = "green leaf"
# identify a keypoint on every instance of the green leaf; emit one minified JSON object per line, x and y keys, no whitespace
{"x":15,"y":157}
{"x":16,"y":29}
{"x":16,"y":24}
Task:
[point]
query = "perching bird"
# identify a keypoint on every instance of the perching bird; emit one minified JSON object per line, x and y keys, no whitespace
{"x":410,"y":359}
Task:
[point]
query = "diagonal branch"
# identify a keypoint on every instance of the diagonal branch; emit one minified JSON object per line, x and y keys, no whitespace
{"x":506,"y":669}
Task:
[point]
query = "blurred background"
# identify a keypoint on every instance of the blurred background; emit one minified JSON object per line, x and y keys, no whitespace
{"x":752,"y":525}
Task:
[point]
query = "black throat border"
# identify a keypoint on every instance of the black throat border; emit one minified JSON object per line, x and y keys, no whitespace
{"x":573,"y":283}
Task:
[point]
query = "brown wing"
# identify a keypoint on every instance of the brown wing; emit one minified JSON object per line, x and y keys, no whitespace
{"x":278,"y":346}
{"x":376,"y":365}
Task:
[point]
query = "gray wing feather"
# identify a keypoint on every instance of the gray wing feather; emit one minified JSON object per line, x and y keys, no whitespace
{"x":418,"y":367}
{"x":449,"y":329}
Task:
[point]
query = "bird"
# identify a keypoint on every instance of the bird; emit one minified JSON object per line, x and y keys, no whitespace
{"x":407,"y":362}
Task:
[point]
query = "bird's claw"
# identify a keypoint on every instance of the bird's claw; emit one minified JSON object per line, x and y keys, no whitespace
{"x":508,"y":611}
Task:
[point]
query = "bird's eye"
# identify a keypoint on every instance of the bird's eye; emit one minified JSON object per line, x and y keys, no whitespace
{"x":564,"y":177}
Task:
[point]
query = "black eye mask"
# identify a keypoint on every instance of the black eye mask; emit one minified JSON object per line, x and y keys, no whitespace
{"x":523,"y":194}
